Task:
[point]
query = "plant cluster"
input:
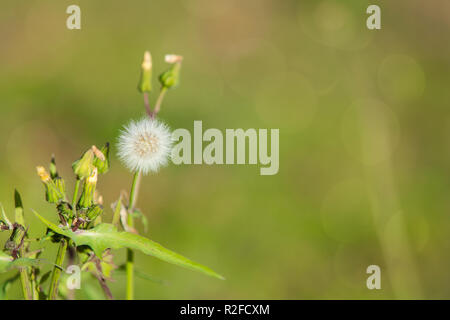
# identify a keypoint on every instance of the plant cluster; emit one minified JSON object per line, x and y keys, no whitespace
{"x":83,"y":236}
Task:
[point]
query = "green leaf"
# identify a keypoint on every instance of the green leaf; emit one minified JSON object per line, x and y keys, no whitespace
{"x":5,"y":218}
{"x":142,"y":275}
{"x":4,"y":287}
{"x":7,"y":262}
{"x":105,"y":236}
{"x":139,"y":215}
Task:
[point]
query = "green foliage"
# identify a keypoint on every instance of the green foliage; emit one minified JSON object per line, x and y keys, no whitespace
{"x":4,"y":221}
{"x":4,"y":287}
{"x":106,"y":236}
{"x":7,"y":262}
{"x":80,"y":231}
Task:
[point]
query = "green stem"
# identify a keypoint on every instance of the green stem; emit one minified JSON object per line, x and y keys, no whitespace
{"x":130,"y":254}
{"x":27,"y":287}
{"x":26,"y":284}
{"x":159,"y":101}
{"x":34,"y":291}
{"x":53,"y":292}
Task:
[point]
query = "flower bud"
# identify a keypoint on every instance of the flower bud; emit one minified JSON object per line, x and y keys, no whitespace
{"x":53,"y":193}
{"x":43,"y":174}
{"x":53,"y":171}
{"x":65,"y":210}
{"x":18,"y":211}
{"x":145,"y":82}
{"x":16,"y":239}
{"x":171,"y":77}
{"x":93,"y":212}
{"x":60,"y":185}
{"x":87,"y":196}
{"x":84,"y":166}
{"x":101,"y":159}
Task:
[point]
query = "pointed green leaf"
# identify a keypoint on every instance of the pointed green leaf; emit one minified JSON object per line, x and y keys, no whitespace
{"x":7,"y":262}
{"x":4,"y":287}
{"x":142,"y":275}
{"x":5,"y":218}
{"x":105,"y":236}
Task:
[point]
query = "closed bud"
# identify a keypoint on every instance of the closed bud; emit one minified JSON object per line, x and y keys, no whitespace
{"x":93,"y":212}
{"x":53,"y":171}
{"x":43,"y":174}
{"x":60,"y":186}
{"x":171,"y":77}
{"x":101,"y":159}
{"x":65,"y":210}
{"x":53,"y":193}
{"x":145,"y":81}
{"x":16,"y":238}
{"x":84,"y":166}
{"x":173,"y":58}
{"x":87,"y":196}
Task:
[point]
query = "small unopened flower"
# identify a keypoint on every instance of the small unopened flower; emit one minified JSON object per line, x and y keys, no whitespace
{"x":43,"y":174}
{"x":55,"y":189}
{"x":172,"y":58}
{"x":87,"y":196}
{"x":145,"y":145}
{"x":83,"y":167}
{"x":145,"y":82}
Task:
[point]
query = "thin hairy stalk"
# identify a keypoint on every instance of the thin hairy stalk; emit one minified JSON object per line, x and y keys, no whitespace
{"x":159,"y":101}
{"x":130,"y":254}
{"x":53,"y":292}
{"x":147,"y":104}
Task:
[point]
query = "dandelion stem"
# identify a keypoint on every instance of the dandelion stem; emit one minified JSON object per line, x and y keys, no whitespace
{"x":147,"y":104}
{"x":162,"y":93}
{"x":53,"y":292}
{"x":130,"y":254}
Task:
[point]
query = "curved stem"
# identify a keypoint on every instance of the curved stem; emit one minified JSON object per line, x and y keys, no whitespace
{"x":53,"y":292}
{"x":130,"y":254}
{"x":162,"y":93}
{"x":147,"y":104}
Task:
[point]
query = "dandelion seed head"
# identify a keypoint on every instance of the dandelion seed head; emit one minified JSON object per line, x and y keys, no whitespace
{"x":145,"y":145}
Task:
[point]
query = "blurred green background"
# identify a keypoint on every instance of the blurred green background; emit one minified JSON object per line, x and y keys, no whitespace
{"x":364,"y":130}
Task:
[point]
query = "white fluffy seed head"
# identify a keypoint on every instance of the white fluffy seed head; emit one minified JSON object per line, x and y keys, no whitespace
{"x":145,"y":145}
